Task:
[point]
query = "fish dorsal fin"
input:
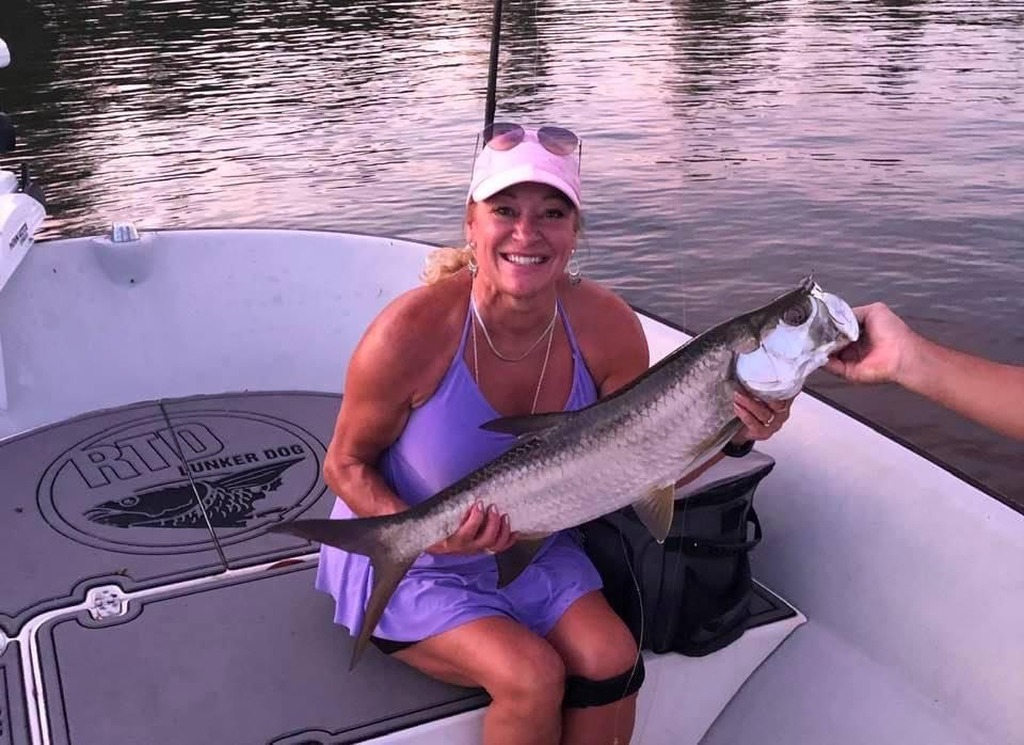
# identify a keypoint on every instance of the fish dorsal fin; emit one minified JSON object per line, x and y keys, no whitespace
{"x":655,"y":511}
{"x":530,"y":424}
{"x":512,"y":561}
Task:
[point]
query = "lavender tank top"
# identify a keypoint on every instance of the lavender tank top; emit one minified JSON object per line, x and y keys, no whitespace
{"x":442,"y":440}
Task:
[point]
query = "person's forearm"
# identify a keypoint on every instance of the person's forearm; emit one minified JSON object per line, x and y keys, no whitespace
{"x":362,"y":488}
{"x":990,"y":393}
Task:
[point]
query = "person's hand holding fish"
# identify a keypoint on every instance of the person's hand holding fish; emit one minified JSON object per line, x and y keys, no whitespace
{"x":761,"y":419}
{"x":882,"y":355}
{"x":482,"y":529}
{"x":889,"y":351}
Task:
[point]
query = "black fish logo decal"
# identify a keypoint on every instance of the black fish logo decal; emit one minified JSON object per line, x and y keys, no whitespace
{"x":228,"y":501}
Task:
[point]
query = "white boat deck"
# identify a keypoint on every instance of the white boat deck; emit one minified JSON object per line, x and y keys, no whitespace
{"x":853,"y":699}
{"x":128,"y":619}
{"x":911,"y":579}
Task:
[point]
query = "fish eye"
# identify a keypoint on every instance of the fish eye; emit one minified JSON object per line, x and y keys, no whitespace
{"x":797,"y":314}
{"x":129,"y":501}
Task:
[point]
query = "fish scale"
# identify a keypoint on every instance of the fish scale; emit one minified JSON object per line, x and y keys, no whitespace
{"x":628,"y":448}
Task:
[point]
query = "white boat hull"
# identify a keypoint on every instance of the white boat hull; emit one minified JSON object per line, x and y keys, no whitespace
{"x":910,"y":578}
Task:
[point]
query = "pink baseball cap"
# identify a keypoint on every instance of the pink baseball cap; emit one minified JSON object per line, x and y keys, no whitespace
{"x":515,"y":155}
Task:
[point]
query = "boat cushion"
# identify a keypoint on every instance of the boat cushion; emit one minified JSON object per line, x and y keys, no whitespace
{"x":255,"y":658}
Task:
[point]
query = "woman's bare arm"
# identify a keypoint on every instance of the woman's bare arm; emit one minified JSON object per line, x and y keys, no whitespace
{"x":395,"y":367}
{"x":380,"y":388}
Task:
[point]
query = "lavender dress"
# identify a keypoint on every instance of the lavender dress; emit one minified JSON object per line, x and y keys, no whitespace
{"x":442,"y":442}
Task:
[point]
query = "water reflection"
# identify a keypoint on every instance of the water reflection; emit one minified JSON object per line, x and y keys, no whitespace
{"x":722,"y":46}
{"x":525,"y":57}
{"x":731,"y":146}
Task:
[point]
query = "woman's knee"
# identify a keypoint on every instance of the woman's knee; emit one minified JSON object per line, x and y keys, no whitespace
{"x":605,"y":668}
{"x":528,"y":673}
{"x":616,"y":654}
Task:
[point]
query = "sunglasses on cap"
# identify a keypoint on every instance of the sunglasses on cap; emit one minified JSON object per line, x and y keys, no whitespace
{"x":506,"y":135}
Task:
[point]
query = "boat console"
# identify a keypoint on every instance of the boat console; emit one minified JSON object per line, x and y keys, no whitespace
{"x":22,"y":205}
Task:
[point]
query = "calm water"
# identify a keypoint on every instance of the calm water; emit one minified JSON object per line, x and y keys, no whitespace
{"x":730,"y":146}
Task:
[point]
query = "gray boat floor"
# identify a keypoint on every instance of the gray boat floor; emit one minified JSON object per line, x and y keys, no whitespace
{"x":104,"y":501}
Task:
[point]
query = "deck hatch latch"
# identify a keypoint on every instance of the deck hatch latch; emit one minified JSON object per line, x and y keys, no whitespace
{"x":106,"y":602}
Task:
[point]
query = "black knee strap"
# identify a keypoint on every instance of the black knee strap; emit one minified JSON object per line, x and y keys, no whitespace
{"x":583,"y":692}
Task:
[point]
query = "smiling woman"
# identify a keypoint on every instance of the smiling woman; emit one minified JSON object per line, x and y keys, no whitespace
{"x":503,"y":327}
{"x":522,"y":239}
{"x":513,"y":163}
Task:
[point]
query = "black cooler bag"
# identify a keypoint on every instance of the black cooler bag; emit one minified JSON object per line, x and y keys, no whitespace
{"x":692,"y":593}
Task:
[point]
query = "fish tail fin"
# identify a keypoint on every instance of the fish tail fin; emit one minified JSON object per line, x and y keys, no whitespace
{"x":387,"y":573}
{"x":358,"y":535}
{"x":362,"y":536}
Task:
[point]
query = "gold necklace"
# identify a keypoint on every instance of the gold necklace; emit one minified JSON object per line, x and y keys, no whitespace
{"x":543,"y":367}
{"x":547,"y":330}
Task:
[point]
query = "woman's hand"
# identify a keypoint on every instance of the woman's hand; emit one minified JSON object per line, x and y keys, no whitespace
{"x":481,"y":530}
{"x":761,"y":419}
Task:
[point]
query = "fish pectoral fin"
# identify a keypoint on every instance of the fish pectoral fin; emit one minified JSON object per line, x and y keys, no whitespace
{"x":713,"y":445}
{"x":656,"y":509}
{"x":513,"y":560}
{"x":527,"y":425}
{"x":710,"y":447}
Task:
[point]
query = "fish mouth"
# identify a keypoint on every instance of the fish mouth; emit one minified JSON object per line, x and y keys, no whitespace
{"x":788,"y":354}
{"x":840,"y":312}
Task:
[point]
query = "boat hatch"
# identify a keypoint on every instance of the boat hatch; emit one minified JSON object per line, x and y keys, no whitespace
{"x":144,"y":601}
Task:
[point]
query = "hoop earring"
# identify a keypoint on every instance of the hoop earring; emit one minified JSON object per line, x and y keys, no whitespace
{"x":573,"y":270}
{"x":471,"y":265}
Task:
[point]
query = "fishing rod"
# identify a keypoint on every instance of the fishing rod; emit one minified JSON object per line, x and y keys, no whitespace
{"x":492,"y":71}
{"x":6,"y":125}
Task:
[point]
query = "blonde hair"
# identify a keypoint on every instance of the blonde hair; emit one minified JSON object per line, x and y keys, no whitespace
{"x":444,"y":262}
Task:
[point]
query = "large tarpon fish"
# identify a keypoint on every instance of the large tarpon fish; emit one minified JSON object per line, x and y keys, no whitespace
{"x":629,"y":448}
